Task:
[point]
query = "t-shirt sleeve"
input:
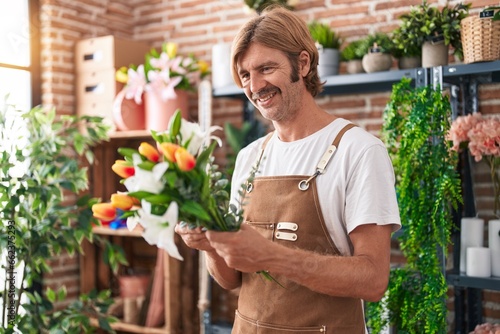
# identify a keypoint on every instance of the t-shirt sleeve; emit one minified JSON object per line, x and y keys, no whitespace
{"x":371,"y":193}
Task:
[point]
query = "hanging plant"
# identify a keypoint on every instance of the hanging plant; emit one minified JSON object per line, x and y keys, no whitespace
{"x":416,"y":121}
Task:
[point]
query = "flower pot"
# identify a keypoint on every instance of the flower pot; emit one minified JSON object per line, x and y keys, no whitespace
{"x":127,"y":114}
{"x":409,"y":62}
{"x":221,"y":65}
{"x":354,"y":66}
{"x":377,"y":62}
{"x":158,"y":111}
{"x":434,"y":54}
{"x":328,"y":63}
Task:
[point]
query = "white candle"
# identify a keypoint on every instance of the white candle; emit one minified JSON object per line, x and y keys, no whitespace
{"x":471,"y":235}
{"x":494,"y":245}
{"x":478,"y":262}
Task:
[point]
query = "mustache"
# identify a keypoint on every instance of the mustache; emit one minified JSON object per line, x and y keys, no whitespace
{"x":263,"y":92}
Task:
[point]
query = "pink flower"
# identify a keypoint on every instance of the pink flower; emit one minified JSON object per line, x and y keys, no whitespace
{"x":135,"y":84}
{"x":459,"y":129}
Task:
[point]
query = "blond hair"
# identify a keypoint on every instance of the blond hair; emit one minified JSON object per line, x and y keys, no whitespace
{"x":281,"y":29}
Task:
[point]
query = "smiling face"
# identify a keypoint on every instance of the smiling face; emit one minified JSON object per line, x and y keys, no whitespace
{"x":271,"y":83}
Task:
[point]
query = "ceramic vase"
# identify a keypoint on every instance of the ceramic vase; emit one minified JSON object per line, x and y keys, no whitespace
{"x":328,"y":62}
{"x":159,"y":111}
{"x":127,"y":114}
{"x":377,"y":62}
{"x":434,"y":54}
{"x":494,"y":245}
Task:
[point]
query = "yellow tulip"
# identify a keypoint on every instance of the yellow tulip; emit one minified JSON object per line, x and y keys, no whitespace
{"x":203,"y":66}
{"x":185,"y":160}
{"x":121,"y":75}
{"x":104,"y":211}
{"x":122,"y":201}
{"x":149,"y":152}
{"x":168,"y":150}
{"x":171,"y":49}
{"x":123,"y":168}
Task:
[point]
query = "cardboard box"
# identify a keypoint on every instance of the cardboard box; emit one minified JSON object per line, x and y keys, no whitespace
{"x":108,"y":52}
{"x":96,"y":86}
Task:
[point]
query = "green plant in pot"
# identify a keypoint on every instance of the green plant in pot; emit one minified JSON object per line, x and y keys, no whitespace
{"x":435,"y":30}
{"x":416,"y":122}
{"x":407,"y":46}
{"x":44,"y":212}
{"x":352,"y":54}
{"x":328,"y":43}
{"x":377,"y":50}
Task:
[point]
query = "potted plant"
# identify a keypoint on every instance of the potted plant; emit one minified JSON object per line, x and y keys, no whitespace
{"x":164,"y":80}
{"x":259,"y":5}
{"x":435,"y":30}
{"x":352,"y":54}
{"x":377,"y":50}
{"x":328,"y":43}
{"x":407,"y":45}
{"x":416,"y":122}
{"x":45,"y":211}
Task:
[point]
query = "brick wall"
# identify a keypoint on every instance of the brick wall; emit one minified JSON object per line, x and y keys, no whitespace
{"x":197,"y":25}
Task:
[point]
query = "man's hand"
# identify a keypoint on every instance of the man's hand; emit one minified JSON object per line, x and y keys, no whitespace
{"x":194,"y":238}
{"x":245,"y":250}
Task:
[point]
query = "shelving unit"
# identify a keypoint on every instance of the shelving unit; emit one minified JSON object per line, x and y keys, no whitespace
{"x":463,"y":81}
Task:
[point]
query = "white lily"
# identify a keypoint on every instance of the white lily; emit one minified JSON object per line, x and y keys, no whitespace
{"x":193,"y":131}
{"x":158,"y":230}
{"x":145,"y":180}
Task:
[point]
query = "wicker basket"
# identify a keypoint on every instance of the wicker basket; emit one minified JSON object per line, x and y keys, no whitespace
{"x":480,"y":39}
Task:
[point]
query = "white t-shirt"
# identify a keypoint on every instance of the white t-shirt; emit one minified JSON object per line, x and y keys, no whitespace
{"x":358,"y":184}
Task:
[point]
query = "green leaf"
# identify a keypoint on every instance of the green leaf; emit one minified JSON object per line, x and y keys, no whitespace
{"x":195,"y":209}
{"x":175,"y":124}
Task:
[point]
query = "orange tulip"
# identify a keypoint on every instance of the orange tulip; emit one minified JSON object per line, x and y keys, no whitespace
{"x":104,"y":211}
{"x":122,"y":201}
{"x":149,"y":152}
{"x":123,"y":168}
{"x":168,"y":150}
{"x":185,"y":160}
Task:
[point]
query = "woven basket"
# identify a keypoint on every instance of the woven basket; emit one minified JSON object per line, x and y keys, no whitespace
{"x":480,"y":39}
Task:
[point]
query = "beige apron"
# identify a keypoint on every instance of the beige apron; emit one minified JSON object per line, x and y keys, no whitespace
{"x":286,"y":210}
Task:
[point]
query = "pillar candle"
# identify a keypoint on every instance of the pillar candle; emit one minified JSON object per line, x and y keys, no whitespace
{"x":478,"y":262}
{"x":494,"y":245}
{"x":471,"y":235}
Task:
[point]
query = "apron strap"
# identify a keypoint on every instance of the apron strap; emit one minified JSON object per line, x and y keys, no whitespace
{"x":327,"y":156}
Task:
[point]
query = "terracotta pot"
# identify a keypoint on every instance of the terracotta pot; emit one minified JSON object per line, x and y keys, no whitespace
{"x":434,"y":54}
{"x":127,"y":115}
{"x":159,"y":111}
{"x":377,"y":62}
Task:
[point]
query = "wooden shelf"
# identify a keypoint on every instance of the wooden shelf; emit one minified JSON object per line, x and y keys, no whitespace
{"x":134,"y":134}
{"x":121,"y":232}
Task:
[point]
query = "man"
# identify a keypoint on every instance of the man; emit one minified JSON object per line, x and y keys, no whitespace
{"x":319,"y":213}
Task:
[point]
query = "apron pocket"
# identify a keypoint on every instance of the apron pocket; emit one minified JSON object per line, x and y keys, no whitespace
{"x":245,"y":325}
{"x":266,"y":229}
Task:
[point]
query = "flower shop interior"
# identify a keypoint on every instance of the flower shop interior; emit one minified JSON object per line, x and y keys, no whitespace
{"x":66,"y":273}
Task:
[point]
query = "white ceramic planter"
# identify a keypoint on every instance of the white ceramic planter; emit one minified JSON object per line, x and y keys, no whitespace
{"x":328,"y":62}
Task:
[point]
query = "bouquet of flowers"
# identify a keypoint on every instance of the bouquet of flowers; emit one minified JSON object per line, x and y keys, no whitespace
{"x":482,"y":136}
{"x":175,"y":181}
{"x":163,"y":72}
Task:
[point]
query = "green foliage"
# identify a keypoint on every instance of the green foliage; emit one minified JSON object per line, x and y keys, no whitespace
{"x":353,"y":51}
{"x":428,"y":187}
{"x":44,"y":209}
{"x":260,"y":5}
{"x":238,"y":138}
{"x":379,"y":40}
{"x":324,"y":35}
{"x":424,"y":22}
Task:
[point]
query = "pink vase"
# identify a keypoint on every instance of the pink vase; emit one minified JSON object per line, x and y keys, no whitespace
{"x":127,"y":115}
{"x":159,"y":111}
